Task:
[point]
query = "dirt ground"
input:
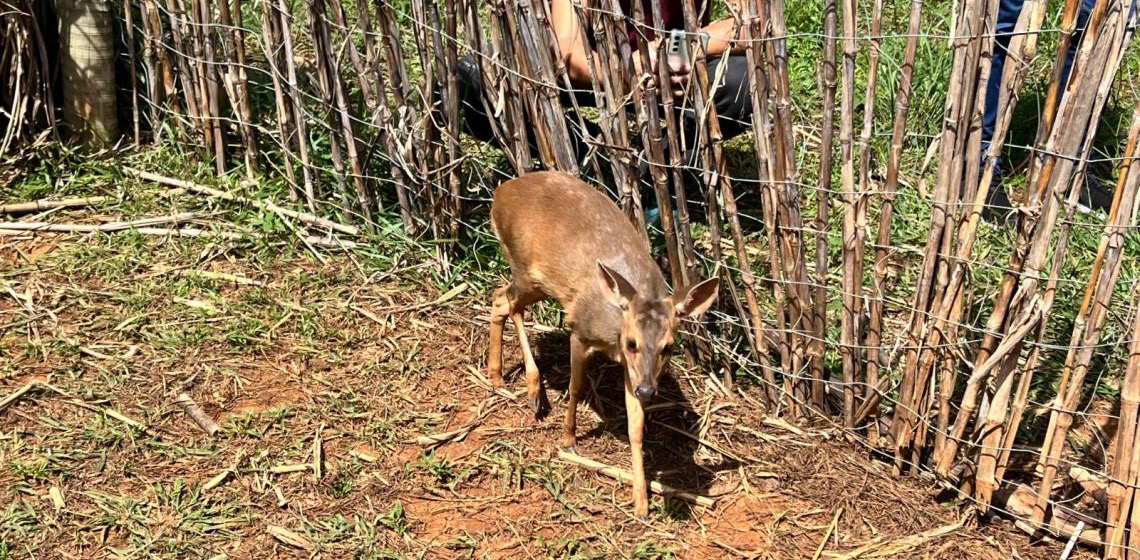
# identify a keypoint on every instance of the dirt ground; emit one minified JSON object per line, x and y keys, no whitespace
{"x":326,"y":378}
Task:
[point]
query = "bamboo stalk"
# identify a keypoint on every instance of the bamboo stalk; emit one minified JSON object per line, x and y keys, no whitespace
{"x":886,"y":211}
{"x":296,"y":103}
{"x":285,"y":125}
{"x":186,"y":76}
{"x":129,"y":25}
{"x":203,"y":46}
{"x":383,"y":116}
{"x":626,"y":476}
{"x":41,"y":205}
{"x":918,"y":360}
{"x":198,"y":415}
{"x":799,"y":310}
{"x":758,"y":85}
{"x":823,"y":201}
{"x":1020,"y":49}
{"x":236,"y":81}
{"x":852,"y":233}
{"x":648,"y":95}
{"x":1022,"y":306}
{"x":104,"y":227}
{"x":339,"y":119}
{"x":1122,"y":483}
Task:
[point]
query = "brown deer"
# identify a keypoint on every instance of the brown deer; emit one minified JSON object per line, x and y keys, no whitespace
{"x":566,"y":240}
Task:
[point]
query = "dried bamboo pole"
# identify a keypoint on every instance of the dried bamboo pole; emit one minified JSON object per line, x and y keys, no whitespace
{"x":823,"y":202}
{"x":148,"y":20}
{"x":382,"y":117}
{"x":208,"y":79}
{"x":266,"y":205}
{"x":608,"y":73}
{"x":1094,"y":308}
{"x":1123,"y":482}
{"x":451,"y":113}
{"x":428,"y":143}
{"x":405,"y":161}
{"x":285,"y":126}
{"x":648,"y":95}
{"x":870,"y":405}
{"x":296,"y":102}
{"x":186,"y":77}
{"x":1024,"y":306}
{"x":332,"y":90}
{"x":129,"y":25}
{"x":971,"y":29}
{"x":799,"y":310}
{"x":852,"y":233}
{"x":511,"y":86}
{"x":687,"y":253}
{"x":236,"y":81}
{"x":758,"y":86}
{"x":535,"y":60}
{"x":476,"y":44}
{"x":1021,"y":48}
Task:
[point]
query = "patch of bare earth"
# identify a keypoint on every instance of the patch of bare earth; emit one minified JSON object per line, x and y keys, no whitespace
{"x":326,"y":386}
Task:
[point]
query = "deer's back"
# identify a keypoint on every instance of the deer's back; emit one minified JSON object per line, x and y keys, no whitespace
{"x":554,"y":229}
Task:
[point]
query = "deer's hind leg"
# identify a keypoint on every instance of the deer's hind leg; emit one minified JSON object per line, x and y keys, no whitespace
{"x":510,"y":301}
{"x":520,"y":296}
{"x":500,"y":310}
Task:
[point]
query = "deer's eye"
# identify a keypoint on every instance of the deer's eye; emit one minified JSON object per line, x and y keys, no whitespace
{"x":631,"y":345}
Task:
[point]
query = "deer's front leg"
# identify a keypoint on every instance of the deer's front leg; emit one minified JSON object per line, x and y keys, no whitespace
{"x":577,"y":367}
{"x":636,"y":415}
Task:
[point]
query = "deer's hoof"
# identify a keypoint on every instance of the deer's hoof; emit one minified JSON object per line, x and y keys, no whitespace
{"x":535,"y":403}
{"x":644,"y":518}
{"x":572,"y":449}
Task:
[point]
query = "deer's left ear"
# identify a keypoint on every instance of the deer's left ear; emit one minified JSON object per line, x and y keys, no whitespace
{"x":695,"y":300}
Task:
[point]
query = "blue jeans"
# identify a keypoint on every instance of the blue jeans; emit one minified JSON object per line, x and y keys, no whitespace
{"x":1008,"y":11}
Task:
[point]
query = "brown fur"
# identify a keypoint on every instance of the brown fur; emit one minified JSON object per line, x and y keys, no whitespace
{"x":565,"y":240}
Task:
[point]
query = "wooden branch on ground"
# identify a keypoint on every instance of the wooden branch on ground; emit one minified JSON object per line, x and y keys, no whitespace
{"x":330,"y":243}
{"x":264,"y":205}
{"x":104,"y":227}
{"x":39,"y":205}
{"x":198,"y":415}
{"x":626,"y":476}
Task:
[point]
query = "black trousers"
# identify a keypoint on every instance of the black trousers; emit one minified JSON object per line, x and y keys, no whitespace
{"x":733,"y":100}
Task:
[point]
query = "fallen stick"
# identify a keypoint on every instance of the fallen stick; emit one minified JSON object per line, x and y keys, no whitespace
{"x":289,"y":537}
{"x":198,"y":415}
{"x":331,"y":243}
{"x":626,"y":476}
{"x":265,"y":205}
{"x":18,"y":394}
{"x":106,"y":227}
{"x":222,"y":276}
{"x":180,"y":232}
{"x":38,"y":205}
{"x":827,"y":534}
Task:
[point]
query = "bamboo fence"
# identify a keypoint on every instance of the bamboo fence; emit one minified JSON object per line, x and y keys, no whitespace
{"x":355,"y":108}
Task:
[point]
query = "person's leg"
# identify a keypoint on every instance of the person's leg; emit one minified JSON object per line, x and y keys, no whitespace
{"x":997,"y":202}
{"x":1008,"y":11}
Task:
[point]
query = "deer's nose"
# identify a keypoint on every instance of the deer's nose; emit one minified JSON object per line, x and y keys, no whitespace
{"x":644,"y":391}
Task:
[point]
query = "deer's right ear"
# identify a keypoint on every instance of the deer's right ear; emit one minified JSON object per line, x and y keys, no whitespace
{"x":617,"y":289}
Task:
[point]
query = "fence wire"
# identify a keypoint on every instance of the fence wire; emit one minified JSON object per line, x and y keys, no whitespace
{"x":353,"y":109}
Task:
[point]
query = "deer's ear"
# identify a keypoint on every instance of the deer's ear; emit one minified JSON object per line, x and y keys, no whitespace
{"x":617,"y":289}
{"x":695,"y":300}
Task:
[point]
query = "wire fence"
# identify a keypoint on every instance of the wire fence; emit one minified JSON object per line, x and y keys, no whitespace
{"x":862,"y":286}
